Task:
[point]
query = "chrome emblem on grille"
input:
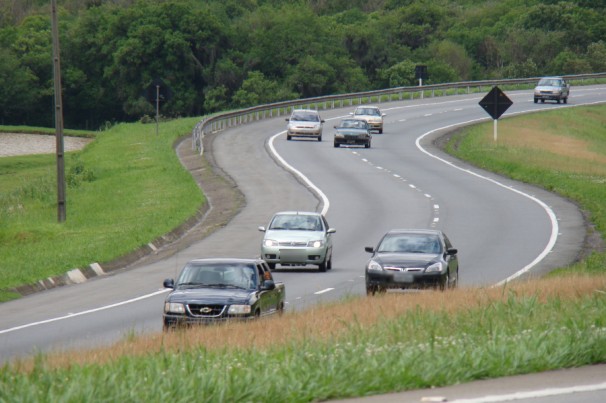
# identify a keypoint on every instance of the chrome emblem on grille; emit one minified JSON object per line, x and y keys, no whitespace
{"x":206,"y":310}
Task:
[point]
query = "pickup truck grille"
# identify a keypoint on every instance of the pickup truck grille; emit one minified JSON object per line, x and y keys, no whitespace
{"x":205,"y":311}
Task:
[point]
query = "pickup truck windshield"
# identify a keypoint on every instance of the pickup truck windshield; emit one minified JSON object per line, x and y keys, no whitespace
{"x":219,"y":275}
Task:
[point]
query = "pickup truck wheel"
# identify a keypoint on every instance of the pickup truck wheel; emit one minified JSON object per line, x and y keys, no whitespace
{"x":371,"y":290}
{"x":565,"y":100}
{"x":319,"y":138}
{"x":367,"y":145}
{"x":536,"y":100}
{"x":281,"y":309}
{"x":558,"y":100}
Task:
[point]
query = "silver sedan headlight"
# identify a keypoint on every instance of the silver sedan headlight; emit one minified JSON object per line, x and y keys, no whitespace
{"x":436,"y":267}
{"x":270,"y":243}
{"x":374,"y":266}
{"x":316,"y":244}
{"x":174,"y":307}
{"x":239,"y":310}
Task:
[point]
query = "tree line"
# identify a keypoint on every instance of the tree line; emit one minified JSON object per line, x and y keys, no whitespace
{"x":216,"y":55}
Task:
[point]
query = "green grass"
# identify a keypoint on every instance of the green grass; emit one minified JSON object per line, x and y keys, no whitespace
{"x":419,"y":348}
{"x":124,"y":190}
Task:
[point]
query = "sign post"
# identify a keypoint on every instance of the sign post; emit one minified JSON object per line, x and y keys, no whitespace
{"x":421,"y":74}
{"x":61,"y":208}
{"x":156,"y":92}
{"x":495,"y":103}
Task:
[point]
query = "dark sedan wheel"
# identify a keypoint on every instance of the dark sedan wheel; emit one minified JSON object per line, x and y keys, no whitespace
{"x":375,"y":289}
{"x":323,"y":266}
{"x":444,"y":282}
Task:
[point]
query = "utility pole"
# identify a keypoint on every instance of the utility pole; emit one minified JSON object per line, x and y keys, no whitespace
{"x":61,"y":214}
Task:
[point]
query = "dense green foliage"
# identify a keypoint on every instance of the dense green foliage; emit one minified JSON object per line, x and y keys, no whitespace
{"x":220,"y":54}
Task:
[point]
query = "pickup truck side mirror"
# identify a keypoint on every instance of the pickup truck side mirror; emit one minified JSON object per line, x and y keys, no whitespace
{"x":169,"y":283}
{"x":369,"y":249}
{"x":268,"y":285}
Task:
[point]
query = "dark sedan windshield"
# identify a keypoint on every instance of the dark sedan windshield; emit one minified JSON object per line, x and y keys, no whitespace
{"x":410,"y":243}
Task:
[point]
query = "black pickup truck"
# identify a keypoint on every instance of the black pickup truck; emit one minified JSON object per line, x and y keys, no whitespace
{"x":215,"y":290}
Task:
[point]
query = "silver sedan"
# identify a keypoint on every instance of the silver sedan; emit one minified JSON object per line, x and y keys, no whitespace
{"x":297,"y":238}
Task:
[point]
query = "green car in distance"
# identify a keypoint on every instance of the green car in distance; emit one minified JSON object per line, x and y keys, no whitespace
{"x":297,"y":238}
{"x":352,"y":132}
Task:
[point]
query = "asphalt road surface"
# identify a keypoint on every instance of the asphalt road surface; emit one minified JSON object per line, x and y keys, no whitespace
{"x":503,"y":229}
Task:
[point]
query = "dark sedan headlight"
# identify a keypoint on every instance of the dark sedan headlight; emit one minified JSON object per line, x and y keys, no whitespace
{"x":174,"y":307}
{"x":374,"y":266}
{"x":315,"y":244}
{"x":437,"y":267}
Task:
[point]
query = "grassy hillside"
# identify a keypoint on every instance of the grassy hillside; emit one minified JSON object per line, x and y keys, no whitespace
{"x":124,"y":190}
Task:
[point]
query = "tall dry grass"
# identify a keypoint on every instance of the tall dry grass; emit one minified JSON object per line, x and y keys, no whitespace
{"x":325,"y":322}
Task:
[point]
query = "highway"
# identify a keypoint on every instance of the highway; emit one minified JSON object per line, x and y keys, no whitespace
{"x":503,"y":229}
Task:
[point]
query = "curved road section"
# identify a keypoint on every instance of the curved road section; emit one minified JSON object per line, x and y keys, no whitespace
{"x":503,"y":229}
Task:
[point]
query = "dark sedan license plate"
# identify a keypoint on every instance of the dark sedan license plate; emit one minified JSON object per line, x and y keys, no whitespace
{"x":402,"y":277}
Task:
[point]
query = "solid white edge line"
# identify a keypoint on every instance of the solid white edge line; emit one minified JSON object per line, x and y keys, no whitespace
{"x":533,"y":394}
{"x":71,"y":315}
{"x":325,"y":201}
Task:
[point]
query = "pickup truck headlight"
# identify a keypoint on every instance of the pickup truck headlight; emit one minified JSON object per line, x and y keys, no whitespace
{"x":374,"y":266}
{"x":174,"y":307}
{"x":239,"y":310}
{"x":316,"y":244}
{"x":270,"y":243}
{"x":436,"y":267}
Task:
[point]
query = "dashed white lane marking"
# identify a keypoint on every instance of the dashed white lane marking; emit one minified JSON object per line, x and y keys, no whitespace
{"x":323,"y":291}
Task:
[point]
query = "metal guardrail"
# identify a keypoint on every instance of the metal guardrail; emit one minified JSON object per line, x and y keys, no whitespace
{"x":239,"y":117}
